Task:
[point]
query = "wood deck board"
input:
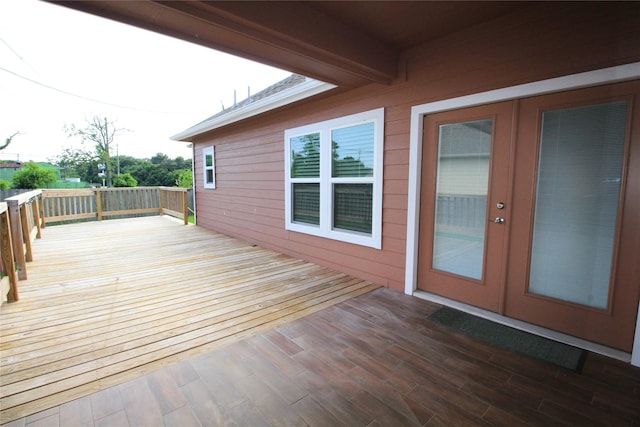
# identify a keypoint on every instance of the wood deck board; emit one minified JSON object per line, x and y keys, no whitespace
{"x":108,"y":301}
{"x":141,"y":299}
{"x":156,"y":315}
{"x":38,"y":362}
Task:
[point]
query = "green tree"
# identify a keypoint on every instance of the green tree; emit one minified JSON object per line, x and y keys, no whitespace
{"x":32,"y":176}
{"x":76,"y":163}
{"x":185,"y":178}
{"x":156,"y":171}
{"x":101,"y":132}
{"x":159,"y":170}
{"x":127,"y":162}
{"x":124,"y":180}
{"x":4,"y":185}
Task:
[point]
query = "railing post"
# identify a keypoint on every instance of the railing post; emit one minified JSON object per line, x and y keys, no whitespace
{"x":6,"y":252}
{"x":162,"y":200}
{"x":17,"y":238}
{"x":185,"y":207}
{"x":98,"y":194}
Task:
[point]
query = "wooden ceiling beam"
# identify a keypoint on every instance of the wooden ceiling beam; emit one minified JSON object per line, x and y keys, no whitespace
{"x":287,"y":35}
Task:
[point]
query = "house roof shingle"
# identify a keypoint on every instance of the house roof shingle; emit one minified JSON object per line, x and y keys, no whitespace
{"x":284,"y":92}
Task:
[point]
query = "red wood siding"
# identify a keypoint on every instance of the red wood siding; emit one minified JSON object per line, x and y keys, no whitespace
{"x":547,"y":40}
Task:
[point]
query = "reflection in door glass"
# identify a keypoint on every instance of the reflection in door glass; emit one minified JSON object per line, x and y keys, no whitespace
{"x":461,"y":197}
{"x":578,"y":190}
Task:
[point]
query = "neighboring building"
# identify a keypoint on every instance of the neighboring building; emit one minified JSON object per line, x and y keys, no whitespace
{"x":8,"y":169}
{"x":497,"y":169}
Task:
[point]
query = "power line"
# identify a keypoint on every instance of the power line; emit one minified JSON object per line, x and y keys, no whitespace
{"x":18,"y":55}
{"x":91,"y":99}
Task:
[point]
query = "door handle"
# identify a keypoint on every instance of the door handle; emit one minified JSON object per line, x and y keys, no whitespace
{"x":499,"y":220}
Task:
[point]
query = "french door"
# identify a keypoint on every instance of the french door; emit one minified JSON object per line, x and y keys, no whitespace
{"x":530,"y":208}
{"x":464,"y":209}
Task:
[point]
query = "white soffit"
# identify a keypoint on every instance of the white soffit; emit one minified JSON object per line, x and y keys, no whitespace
{"x":296,"y":93}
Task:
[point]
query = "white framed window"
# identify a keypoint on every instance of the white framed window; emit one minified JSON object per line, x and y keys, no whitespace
{"x":209,"y":167}
{"x":333,"y":178}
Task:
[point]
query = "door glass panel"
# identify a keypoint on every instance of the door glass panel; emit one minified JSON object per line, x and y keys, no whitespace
{"x":577,"y":197}
{"x":461,"y":197}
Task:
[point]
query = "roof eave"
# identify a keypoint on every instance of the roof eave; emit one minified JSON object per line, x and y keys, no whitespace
{"x":296,"y":93}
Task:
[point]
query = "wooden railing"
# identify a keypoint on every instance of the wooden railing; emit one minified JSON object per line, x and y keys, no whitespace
{"x":9,"y":280}
{"x":18,"y":227}
{"x":99,"y":203}
{"x":23,"y":216}
{"x":69,"y":205}
{"x":174,"y":202}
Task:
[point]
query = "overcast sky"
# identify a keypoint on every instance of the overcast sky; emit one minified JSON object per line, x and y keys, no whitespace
{"x":59,"y":66}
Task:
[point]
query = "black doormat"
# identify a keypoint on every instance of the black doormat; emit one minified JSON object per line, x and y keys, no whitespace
{"x":512,"y":339}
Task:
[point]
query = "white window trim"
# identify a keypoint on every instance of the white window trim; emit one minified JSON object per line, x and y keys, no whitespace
{"x":325,"y":228}
{"x":205,"y":168}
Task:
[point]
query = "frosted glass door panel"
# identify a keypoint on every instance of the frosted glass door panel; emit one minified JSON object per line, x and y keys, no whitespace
{"x":578,"y":190}
{"x":461,"y":197}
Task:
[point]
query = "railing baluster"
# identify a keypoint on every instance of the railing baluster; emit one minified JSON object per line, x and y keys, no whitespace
{"x":26,"y":231}
{"x":36,"y":216}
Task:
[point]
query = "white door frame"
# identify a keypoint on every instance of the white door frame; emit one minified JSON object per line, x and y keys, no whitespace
{"x":574,"y":81}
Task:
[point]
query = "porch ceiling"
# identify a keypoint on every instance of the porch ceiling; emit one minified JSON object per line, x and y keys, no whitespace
{"x":344,"y":43}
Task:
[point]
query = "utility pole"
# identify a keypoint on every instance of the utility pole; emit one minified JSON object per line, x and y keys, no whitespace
{"x":108,"y":153}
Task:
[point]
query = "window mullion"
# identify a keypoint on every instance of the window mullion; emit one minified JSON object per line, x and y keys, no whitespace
{"x":326,"y":209}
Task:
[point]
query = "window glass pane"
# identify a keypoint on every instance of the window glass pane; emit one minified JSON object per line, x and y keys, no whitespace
{"x":306,"y":203}
{"x":352,"y":207}
{"x":579,"y":174}
{"x":305,"y":156}
{"x":209,"y":160}
{"x":352,"y":151}
{"x":461,"y":197}
{"x":209,"y":176}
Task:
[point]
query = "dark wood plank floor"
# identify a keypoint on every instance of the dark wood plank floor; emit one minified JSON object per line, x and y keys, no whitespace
{"x":370,"y":361}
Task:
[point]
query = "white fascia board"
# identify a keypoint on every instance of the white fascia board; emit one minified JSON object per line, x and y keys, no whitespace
{"x":289,"y":96}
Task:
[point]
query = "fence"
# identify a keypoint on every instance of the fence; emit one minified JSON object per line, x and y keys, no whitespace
{"x":100,"y":203}
{"x":23,"y":216}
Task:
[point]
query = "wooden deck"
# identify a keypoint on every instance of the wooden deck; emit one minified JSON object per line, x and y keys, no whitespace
{"x":373,"y":360}
{"x":370,"y":360}
{"x":107,"y":302}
